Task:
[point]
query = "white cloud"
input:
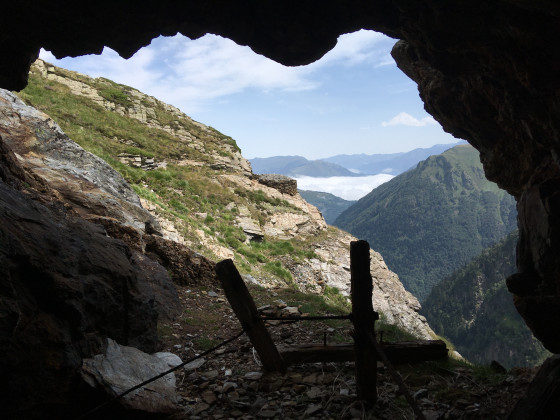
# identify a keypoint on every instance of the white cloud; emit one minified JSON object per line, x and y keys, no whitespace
{"x":188,"y":73}
{"x":347,"y":187}
{"x":359,"y":47}
{"x":406,"y":119}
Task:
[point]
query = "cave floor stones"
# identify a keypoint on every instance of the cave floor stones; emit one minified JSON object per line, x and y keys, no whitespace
{"x":230,"y":384}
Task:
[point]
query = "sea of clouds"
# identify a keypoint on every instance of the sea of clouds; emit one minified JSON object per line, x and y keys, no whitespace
{"x":346,"y":187}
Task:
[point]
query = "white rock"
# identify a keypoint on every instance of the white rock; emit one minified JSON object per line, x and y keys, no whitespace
{"x":122,"y":368}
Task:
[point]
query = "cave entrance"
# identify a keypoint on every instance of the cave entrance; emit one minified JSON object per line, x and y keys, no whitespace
{"x":351,"y":103}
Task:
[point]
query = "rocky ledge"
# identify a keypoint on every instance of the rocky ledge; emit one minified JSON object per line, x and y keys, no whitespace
{"x":282,"y":183}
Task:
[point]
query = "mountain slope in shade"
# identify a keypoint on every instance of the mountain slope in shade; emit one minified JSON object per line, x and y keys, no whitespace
{"x":393,"y":163}
{"x":473,"y":308}
{"x":431,"y":220}
{"x":298,"y":165}
{"x":330,"y":205}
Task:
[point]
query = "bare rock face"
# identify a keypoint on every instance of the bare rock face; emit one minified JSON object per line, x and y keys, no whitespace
{"x":332,"y":268}
{"x":85,"y":182}
{"x":282,"y":183}
{"x":298,"y":218}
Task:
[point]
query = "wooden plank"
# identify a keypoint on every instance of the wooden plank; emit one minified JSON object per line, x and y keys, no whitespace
{"x":315,"y":353}
{"x":415,"y":351}
{"x":363,"y":318}
{"x":244,"y":307}
{"x":397,"y":353}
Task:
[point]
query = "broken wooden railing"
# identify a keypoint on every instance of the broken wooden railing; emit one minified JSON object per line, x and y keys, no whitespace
{"x":365,"y":351}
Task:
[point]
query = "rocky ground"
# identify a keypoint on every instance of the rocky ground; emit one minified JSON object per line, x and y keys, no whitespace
{"x":229,"y":383}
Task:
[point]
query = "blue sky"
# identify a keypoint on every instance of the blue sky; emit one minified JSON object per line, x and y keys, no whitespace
{"x":353,"y":100}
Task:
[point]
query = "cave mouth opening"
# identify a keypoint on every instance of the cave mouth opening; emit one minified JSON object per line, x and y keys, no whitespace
{"x":353,"y":98}
{"x":487,"y":70}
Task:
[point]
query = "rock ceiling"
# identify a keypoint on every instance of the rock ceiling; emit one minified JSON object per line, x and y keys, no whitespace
{"x":487,"y":71}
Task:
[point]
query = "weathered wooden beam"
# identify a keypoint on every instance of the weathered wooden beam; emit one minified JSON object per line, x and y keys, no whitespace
{"x":244,"y":307}
{"x":363,"y":318}
{"x":397,"y":353}
{"x":415,"y":351}
{"x":317,"y":353}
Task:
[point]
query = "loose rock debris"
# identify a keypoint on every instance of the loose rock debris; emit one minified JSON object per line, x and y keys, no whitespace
{"x":230,"y":384}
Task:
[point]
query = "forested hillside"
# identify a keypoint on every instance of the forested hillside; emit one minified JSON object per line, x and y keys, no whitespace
{"x":431,"y":220}
{"x":328,"y":204}
{"x":473,"y":308}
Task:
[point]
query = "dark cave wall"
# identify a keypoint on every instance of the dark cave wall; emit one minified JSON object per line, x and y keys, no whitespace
{"x":487,"y":71}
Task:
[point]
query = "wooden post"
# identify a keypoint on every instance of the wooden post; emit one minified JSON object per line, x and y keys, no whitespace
{"x":244,"y":307}
{"x":363,"y":318}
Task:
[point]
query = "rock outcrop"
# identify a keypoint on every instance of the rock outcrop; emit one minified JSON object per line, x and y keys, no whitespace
{"x":121,"y":368}
{"x":86,"y":183}
{"x":282,"y":183}
{"x":65,"y":287}
{"x":331,"y":268}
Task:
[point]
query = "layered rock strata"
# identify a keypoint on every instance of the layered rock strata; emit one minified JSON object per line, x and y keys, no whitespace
{"x":282,"y":183}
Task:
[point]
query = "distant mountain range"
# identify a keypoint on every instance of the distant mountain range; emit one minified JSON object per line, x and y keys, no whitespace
{"x":433,"y":219}
{"x":295,"y":166}
{"x":346,"y":165}
{"x":473,"y":308}
{"x":393,"y":164}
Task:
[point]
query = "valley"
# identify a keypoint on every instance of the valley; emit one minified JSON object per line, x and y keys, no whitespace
{"x":431,"y":220}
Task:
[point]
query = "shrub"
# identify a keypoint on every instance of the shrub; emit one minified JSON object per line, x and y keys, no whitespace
{"x":115,"y":95}
{"x":279,"y":271}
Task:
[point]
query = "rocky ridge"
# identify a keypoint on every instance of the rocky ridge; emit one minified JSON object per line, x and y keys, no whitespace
{"x":131,"y":103}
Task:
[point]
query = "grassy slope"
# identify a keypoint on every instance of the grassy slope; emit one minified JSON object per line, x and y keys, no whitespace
{"x":178,"y":191}
{"x":181,"y":191}
{"x":431,"y":220}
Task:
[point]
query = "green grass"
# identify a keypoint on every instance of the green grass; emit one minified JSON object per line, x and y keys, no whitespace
{"x":179,"y":192}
